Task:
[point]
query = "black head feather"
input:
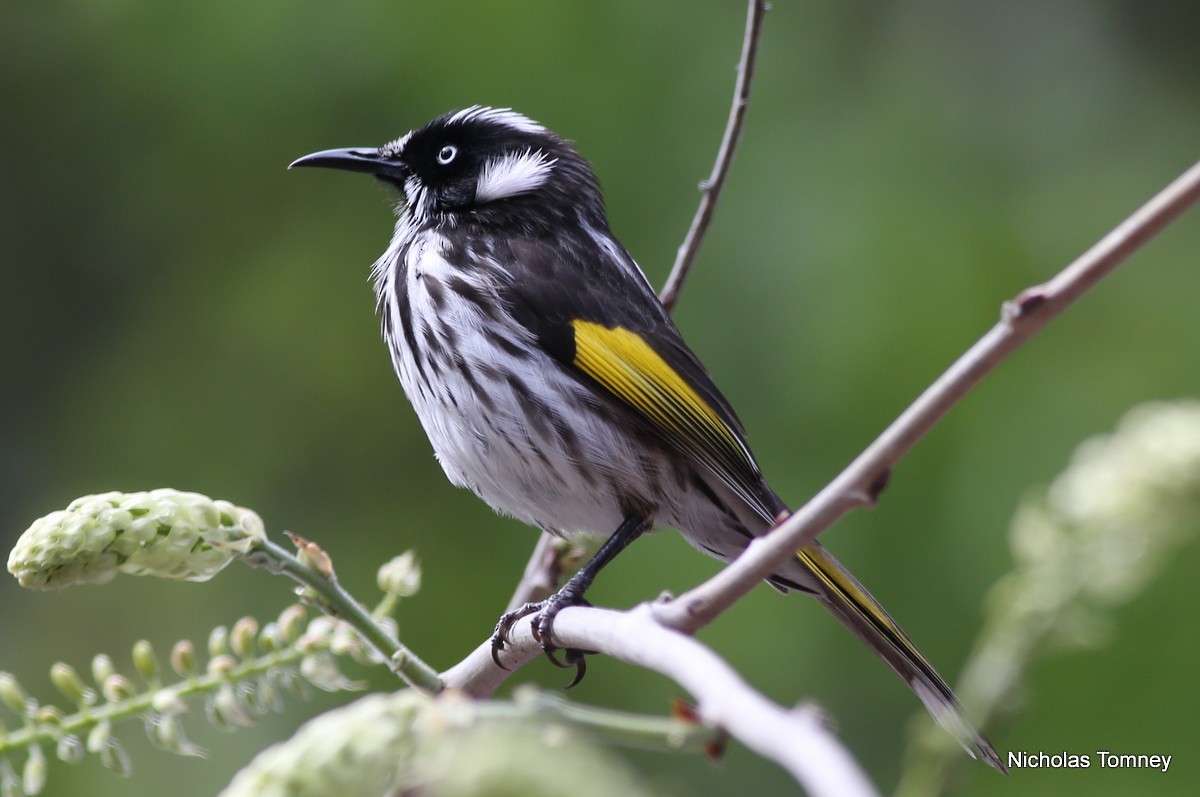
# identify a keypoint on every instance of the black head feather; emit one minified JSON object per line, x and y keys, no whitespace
{"x":488,"y":166}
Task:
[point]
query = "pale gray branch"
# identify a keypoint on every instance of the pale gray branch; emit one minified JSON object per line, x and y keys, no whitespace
{"x":795,"y":739}
{"x":862,"y":480}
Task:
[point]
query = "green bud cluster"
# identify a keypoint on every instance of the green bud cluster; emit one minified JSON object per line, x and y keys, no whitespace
{"x":165,"y":533}
{"x":248,"y":668}
{"x":1103,"y":529}
{"x":248,"y":671}
{"x":408,"y":742}
{"x":1106,"y":524}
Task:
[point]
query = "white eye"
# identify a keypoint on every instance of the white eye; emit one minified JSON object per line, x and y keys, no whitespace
{"x":447,"y":154}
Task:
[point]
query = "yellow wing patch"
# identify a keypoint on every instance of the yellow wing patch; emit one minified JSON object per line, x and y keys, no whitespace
{"x":625,"y":364}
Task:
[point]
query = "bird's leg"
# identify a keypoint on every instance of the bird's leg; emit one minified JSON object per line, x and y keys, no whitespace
{"x":571,"y":594}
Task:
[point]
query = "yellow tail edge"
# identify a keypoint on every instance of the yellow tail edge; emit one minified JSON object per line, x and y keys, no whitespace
{"x":854,"y":606}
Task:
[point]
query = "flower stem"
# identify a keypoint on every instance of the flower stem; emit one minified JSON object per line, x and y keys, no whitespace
{"x":329,"y":594}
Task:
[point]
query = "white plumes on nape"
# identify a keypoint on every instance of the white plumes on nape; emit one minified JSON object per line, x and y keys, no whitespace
{"x":504,"y":116}
{"x":513,"y":174}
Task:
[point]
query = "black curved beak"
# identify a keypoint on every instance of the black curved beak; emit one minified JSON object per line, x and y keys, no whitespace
{"x":351,"y":159}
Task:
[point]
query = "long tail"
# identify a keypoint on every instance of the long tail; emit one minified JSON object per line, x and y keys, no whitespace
{"x":850,"y":603}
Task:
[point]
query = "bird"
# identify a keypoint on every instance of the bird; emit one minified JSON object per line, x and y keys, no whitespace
{"x":552,"y":382}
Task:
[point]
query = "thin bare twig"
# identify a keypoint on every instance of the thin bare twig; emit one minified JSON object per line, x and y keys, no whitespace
{"x":860,"y":482}
{"x":795,"y":739}
{"x":711,"y":188}
{"x":542,"y":572}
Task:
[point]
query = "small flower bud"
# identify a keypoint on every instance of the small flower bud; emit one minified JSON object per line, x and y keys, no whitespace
{"x":69,"y":749}
{"x":33,"y":778}
{"x":291,"y":681}
{"x":49,"y":716}
{"x":144,"y":660}
{"x":250,"y":702}
{"x":318,"y":634}
{"x":292,"y":622}
{"x":216,"y":719}
{"x":270,"y":639}
{"x":321,"y":671}
{"x":269,"y":698}
{"x":102,"y":668}
{"x":218,"y":641}
{"x":12,"y":694}
{"x":241,"y":639}
{"x":312,"y":555}
{"x":345,"y":641}
{"x":117,"y":688}
{"x":114,"y":757}
{"x":67,"y":681}
{"x":168,"y":701}
{"x":164,"y":533}
{"x":221,"y":666}
{"x":99,"y":736}
{"x":401,"y":576}
{"x":228,"y":706}
{"x":183,"y":658}
{"x":10,"y":784}
{"x":166,"y":733}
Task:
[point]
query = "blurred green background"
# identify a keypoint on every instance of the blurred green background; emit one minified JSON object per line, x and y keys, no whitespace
{"x":178,"y":310}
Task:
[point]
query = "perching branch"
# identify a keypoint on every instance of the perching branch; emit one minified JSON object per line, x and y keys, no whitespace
{"x":860,"y":483}
{"x":711,"y":188}
{"x":797,"y":739}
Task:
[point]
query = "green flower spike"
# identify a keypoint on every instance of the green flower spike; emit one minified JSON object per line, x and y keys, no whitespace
{"x":356,"y":749}
{"x":409,"y":743}
{"x":165,"y":533}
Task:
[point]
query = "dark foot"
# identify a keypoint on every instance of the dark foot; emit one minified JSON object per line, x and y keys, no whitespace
{"x":507,"y":621}
{"x":571,"y":594}
{"x":543,"y":631}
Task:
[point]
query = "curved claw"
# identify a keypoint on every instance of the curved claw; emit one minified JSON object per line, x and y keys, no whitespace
{"x":579,"y":659}
{"x":542,"y":629}
{"x":505,"y":624}
{"x":574,"y":657}
{"x":497,"y":646}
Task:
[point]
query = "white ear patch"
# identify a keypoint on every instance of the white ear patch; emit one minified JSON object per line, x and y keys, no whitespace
{"x":513,"y":174}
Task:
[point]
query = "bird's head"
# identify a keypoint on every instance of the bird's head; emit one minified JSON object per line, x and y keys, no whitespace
{"x":483,"y":165}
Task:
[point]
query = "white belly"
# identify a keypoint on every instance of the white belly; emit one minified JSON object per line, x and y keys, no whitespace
{"x":549,"y":467}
